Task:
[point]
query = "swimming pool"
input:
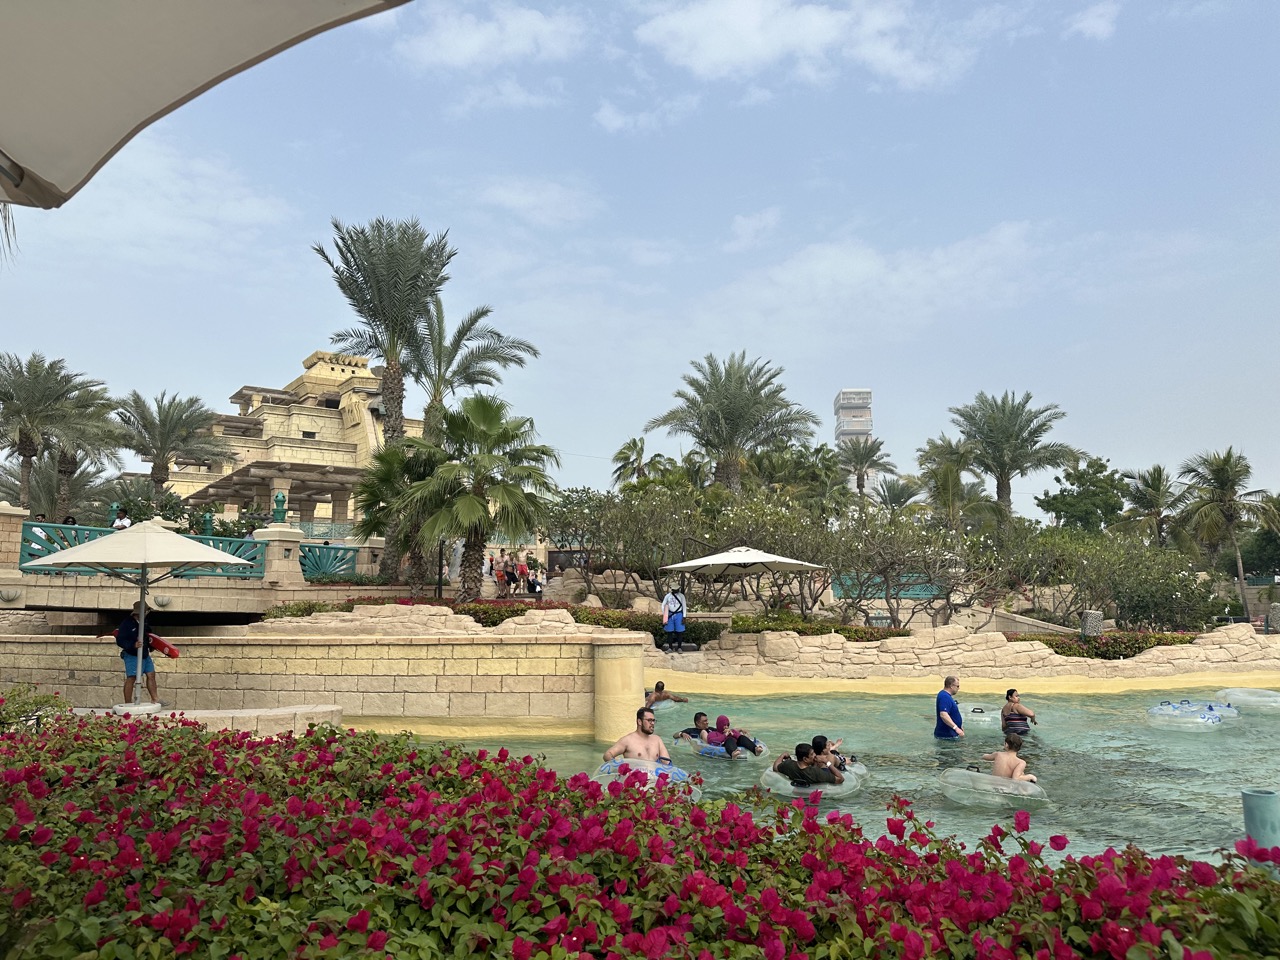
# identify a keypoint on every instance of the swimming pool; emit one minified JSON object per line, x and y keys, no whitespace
{"x":1112,"y":779}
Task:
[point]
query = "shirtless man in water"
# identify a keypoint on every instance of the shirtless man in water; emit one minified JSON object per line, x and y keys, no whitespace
{"x":640,"y":744}
{"x":1006,"y":763}
{"x":660,"y":693}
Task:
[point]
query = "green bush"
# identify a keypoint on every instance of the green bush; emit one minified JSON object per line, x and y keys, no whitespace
{"x":1119,"y":645}
{"x":354,"y":579}
{"x":305,"y":608}
{"x":21,"y":705}
{"x":760,"y":622}
{"x":699,"y":632}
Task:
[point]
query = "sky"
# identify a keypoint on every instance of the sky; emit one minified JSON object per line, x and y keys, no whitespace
{"x":927,"y":199}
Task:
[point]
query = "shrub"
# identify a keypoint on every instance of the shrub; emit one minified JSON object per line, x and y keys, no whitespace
{"x":355,"y":580}
{"x":781,"y":620}
{"x":1117,"y":645}
{"x":21,"y":705}
{"x":156,"y":838}
{"x":305,"y":608}
{"x":700,"y":632}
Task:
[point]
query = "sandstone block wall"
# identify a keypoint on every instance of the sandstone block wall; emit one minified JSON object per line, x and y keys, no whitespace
{"x":936,"y":651}
{"x":391,"y":661}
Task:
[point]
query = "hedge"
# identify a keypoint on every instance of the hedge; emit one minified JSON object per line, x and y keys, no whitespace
{"x":758,"y":623}
{"x":1117,"y":645}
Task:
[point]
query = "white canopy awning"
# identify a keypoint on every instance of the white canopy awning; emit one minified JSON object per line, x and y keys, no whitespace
{"x":742,"y":561}
{"x":79,"y":80}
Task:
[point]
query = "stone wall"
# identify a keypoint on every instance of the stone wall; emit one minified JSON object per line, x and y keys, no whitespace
{"x":389,"y":662}
{"x":937,"y":651}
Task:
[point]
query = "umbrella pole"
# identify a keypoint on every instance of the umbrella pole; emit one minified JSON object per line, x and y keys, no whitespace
{"x":142,"y":637}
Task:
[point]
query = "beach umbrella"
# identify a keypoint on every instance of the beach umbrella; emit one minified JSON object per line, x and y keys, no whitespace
{"x":742,"y":561}
{"x":79,"y":80}
{"x":144,"y":554}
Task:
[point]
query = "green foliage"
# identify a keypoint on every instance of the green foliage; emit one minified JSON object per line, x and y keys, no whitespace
{"x":305,"y":608}
{"x":1090,"y":496}
{"x":21,"y":704}
{"x":354,"y":579}
{"x":1260,"y":552}
{"x":783,"y":620}
{"x":1116,"y":645}
{"x":700,"y":632}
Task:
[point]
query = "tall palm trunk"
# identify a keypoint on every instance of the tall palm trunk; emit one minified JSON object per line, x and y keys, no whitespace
{"x":392,"y":433}
{"x":728,"y":474}
{"x":1244,"y":604}
{"x":28,"y":450}
{"x":159,"y":477}
{"x":470,"y":582}
{"x":433,"y":421}
{"x":1004,"y":493}
{"x":67,"y":466}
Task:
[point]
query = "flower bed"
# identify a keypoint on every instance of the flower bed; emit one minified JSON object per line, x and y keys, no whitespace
{"x":1117,"y":645}
{"x":156,"y":838}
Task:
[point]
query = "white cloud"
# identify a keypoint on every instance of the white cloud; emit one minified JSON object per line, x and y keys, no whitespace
{"x":508,"y":93}
{"x":755,"y":95}
{"x":616,"y":120}
{"x":152,"y":203}
{"x":891,"y":39}
{"x":747,"y":231}
{"x":456,"y":39}
{"x":542,"y":203}
{"x":845,"y":285}
{"x":1097,"y":22}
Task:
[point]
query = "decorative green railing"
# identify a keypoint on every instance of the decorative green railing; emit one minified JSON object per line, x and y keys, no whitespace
{"x":253,"y":552}
{"x":45,"y":539}
{"x":40,"y":540}
{"x":1261,"y":580}
{"x":318,"y":560}
{"x":326,"y":529}
{"x":908,"y":587}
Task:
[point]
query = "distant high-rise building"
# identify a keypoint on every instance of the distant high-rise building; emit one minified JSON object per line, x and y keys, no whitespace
{"x":853,"y":414}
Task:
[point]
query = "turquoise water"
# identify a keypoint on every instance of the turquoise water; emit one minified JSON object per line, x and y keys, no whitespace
{"x":1111,"y":778}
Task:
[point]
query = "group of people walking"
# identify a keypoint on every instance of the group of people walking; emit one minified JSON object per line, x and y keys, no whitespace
{"x":511,"y":573}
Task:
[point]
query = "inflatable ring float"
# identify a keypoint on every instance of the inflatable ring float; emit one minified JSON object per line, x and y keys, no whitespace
{"x":700,"y":749}
{"x":855,"y":778}
{"x":1190,"y":716}
{"x":654,"y":773}
{"x":1251,"y":699}
{"x":972,"y":788}
{"x":662,"y":705}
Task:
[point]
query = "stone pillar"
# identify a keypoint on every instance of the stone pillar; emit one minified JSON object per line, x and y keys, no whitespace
{"x":282,"y":566}
{"x":11,"y":518}
{"x":307,"y":511}
{"x":619,"y":688}
{"x":339,"y":509}
{"x":1091,"y":623}
{"x":1273,"y":618}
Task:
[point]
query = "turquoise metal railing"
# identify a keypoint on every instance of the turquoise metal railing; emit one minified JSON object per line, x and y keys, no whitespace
{"x":909,"y":587}
{"x":1260,"y":580}
{"x":317,"y":560}
{"x":326,"y":529}
{"x":44,"y":539}
{"x":253,"y":552}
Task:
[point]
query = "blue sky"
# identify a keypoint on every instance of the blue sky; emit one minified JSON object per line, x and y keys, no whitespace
{"x":926,"y":199}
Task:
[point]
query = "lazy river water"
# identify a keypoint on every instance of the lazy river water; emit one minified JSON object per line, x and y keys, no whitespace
{"x":1111,"y":778}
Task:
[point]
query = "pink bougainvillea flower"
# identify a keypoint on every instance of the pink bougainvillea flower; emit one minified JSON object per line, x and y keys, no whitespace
{"x":360,"y":922}
{"x":1058,"y":842}
{"x":1022,"y":821}
{"x":377,"y":940}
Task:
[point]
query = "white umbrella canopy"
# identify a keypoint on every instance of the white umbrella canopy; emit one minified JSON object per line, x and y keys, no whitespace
{"x":144,"y":554}
{"x":742,"y":561}
{"x":79,"y":80}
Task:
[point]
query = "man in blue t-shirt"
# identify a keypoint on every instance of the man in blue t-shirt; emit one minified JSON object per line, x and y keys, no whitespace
{"x":950,"y":724}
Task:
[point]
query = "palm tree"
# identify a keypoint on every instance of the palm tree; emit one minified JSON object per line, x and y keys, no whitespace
{"x":473,"y":355}
{"x":172,"y":429}
{"x":896,"y":494}
{"x":8,"y":231}
{"x":629,"y":463}
{"x":88,"y":436}
{"x":491,"y":478}
{"x":1219,"y":507}
{"x":391,"y":472}
{"x":84,"y":494}
{"x":1007,"y":435}
{"x":861,"y":456}
{"x":958,"y":504}
{"x":1155,"y":500}
{"x":390,"y":272}
{"x":943,"y":451}
{"x":733,"y":408}
{"x":35,"y":401}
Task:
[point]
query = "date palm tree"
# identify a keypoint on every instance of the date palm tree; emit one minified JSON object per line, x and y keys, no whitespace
{"x":1007,"y":434}
{"x":733,"y":408}
{"x":898,"y":494}
{"x":473,"y":355}
{"x":862,"y":456}
{"x":36,"y":401}
{"x":390,"y":272}
{"x":956,"y":503}
{"x":89,"y":438}
{"x":169,"y":429}
{"x":391,"y":472}
{"x":1219,"y":508}
{"x":1155,"y":500}
{"x":490,"y":479}
{"x":85,"y":492}
{"x":630,"y":463}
